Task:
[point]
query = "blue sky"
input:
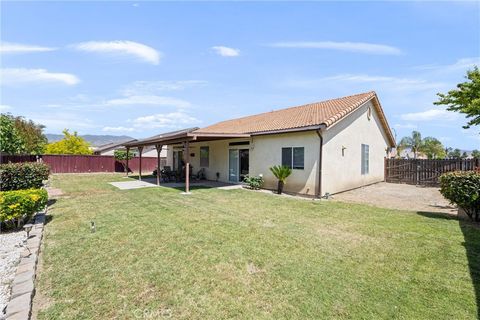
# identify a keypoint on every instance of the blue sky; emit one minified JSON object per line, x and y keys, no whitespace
{"x":142,"y":68}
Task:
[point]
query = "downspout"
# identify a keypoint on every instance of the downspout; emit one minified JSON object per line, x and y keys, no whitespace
{"x":319,"y":189}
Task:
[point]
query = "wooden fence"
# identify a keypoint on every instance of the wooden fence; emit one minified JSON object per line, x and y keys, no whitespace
{"x":83,"y":164}
{"x":424,"y":171}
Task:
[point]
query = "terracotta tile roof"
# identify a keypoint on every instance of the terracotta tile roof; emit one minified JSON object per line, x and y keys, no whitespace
{"x":315,"y":114}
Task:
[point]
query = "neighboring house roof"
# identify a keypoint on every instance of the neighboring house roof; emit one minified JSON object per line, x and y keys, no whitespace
{"x":112,"y":145}
{"x":309,"y":116}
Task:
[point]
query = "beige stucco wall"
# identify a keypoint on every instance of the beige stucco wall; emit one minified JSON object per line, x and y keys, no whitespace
{"x":267,"y":151}
{"x":343,"y":172}
{"x":218,"y":161}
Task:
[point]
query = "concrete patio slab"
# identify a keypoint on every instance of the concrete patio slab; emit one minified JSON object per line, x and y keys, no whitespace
{"x":128,"y":185}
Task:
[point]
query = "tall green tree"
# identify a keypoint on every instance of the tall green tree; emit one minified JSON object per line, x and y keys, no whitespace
{"x":414,"y":143}
{"x":11,"y":141}
{"x":433,"y":148}
{"x":476,"y":154}
{"x":32,"y":135}
{"x":465,"y":99}
{"x":70,"y":144}
{"x":455,"y":154}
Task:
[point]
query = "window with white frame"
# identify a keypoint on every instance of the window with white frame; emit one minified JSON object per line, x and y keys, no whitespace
{"x":293,"y":157}
{"x":365,"y":158}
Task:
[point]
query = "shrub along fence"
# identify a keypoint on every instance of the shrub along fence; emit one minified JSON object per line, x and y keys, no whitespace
{"x":425,"y":171}
{"x":88,"y":163}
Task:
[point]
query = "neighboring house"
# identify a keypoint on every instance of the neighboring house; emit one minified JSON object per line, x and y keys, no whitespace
{"x":331,"y":146}
{"x":109,"y":149}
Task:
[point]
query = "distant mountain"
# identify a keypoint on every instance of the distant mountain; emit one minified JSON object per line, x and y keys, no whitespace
{"x":95,"y":140}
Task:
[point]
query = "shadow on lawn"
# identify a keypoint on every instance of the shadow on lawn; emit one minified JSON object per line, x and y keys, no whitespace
{"x":471,"y":236}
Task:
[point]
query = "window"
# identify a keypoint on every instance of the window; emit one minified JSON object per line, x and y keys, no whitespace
{"x":365,"y":158}
{"x":293,"y":157}
{"x":204,"y":156}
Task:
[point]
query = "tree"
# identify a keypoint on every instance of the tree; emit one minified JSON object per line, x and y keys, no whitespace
{"x":433,"y":148}
{"x":70,"y":144}
{"x":413,"y":142}
{"x":122,"y":156}
{"x":32,"y":135}
{"x":476,"y":154}
{"x":281,"y":173}
{"x":464,"y":155}
{"x":11,"y":142}
{"x":465,"y":99}
{"x":455,"y":154}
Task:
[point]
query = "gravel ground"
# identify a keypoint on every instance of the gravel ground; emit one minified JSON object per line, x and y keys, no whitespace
{"x":10,"y":249}
{"x":399,"y":196}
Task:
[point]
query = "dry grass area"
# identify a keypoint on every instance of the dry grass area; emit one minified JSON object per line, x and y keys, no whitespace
{"x":399,"y":196}
{"x":219,"y":254}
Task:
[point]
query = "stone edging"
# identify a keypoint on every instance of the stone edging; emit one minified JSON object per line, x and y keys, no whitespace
{"x":23,"y":286}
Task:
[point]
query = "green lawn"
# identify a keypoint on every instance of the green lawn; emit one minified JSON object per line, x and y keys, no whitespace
{"x":220,"y":254}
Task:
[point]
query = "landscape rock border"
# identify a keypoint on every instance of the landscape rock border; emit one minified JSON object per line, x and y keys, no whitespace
{"x":23,"y":286}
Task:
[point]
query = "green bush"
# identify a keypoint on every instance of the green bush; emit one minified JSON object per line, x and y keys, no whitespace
{"x":26,"y":175}
{"x":21,"y":204}
{"x":463,"y":189}
{"x":254,"y":182}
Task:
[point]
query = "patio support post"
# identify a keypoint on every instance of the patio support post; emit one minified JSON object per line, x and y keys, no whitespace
{"x":187,"y":167}
{"x":159,"y":150}
{"x":140,"y":149}
{"x":126,"y":165}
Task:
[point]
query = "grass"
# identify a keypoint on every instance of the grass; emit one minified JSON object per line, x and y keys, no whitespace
{"x":241,"y":254}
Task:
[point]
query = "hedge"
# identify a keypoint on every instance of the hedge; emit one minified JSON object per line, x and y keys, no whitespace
{"x":26,"y":175}
{"x":463,"y":189}
{"x":21,"y":204}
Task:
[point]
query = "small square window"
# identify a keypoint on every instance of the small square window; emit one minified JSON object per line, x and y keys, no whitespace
{"x":293,"y":158}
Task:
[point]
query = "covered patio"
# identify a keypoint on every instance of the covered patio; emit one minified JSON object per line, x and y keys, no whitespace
{"x":183,"y":137}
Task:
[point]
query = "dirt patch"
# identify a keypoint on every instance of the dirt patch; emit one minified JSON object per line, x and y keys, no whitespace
{"x":399,"y":196}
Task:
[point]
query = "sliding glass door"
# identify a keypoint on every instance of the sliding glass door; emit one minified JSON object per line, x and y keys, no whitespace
{"x":238,"y":164}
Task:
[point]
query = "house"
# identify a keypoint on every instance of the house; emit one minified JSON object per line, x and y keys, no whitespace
{"x":110,"y":148}
{"x":331,"y":146}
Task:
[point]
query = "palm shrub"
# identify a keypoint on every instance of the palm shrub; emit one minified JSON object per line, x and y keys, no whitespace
{"x":463,"y":189}
{"x":281,"y":173}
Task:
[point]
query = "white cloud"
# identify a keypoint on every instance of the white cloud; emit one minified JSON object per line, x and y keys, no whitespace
{"x":395,"y":83}
{"x":430,"y":115}
{"x":360,"y":47}
{"x":21,"y":75}
{"x":118,"y":129}
{"x":151,"y":87}
{"x":4,"y":108}
{"x":123,"y":47}
{"x":9,"y":47}
{"x":405,"y":126}
{"x":149,"y":100}
{"x":226,"y":51}
{"x":460,"y":64}
{"x":162,"y":120}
